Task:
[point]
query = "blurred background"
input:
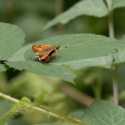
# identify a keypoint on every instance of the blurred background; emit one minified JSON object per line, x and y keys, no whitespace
{"x":61,"y":96}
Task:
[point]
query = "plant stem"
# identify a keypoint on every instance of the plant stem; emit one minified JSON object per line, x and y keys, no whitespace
{"x":75,"y":94}
{"x":110,"y":18}
{"x":97,"y":87}
{"x":59,"y":9}
{"x":111,"y":27}
{"x":8,"y":98}
{"x":8,"y":10}
{"x":44,"y":110}
{"x":111,"y":35}
{"x":115,"y":86}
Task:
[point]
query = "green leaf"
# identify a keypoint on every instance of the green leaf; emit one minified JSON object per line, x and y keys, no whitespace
{"x":40,"y":98}
{"x":95,"y":8}
{"x":82,"y":50}
{"x":2,"y":68}
{"x":18,"y":107}
{"x":43,"y":69}
{"x":19,"y":55}
{"x":104,"y":61}
{"x":11,"y":39}
{"x":104,"y":113}
{"x":118,"y":4}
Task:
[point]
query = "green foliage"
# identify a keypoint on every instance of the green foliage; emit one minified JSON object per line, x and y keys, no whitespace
{"x":40,"y":98}
{"x":99,"y":112}
{"x":84,"y":7}
{"x":36,"y":67}
{"x":23,"y":104}
{"x":11,"y":39}
{"x":118,"y":4}
{"x":23,"y":84}
{"x":104,"y":113}
{"x":19,"y":55}
{"x":76,"y":51}
{"x":43,"y":69}
{"x":82,"y":50}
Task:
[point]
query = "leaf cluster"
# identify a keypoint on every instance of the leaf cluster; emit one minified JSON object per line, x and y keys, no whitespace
{"x":77,"y":51}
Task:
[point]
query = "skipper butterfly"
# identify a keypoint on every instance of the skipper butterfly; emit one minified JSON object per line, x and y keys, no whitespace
{"x":44,"y":51}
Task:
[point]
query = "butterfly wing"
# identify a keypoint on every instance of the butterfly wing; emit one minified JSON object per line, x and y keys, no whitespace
{"x":44,"y":51}
{"x":39,"y":47}
{"x":45,"y":57}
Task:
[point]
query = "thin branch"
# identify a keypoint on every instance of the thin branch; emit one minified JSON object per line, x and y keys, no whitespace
{"x":8,"y":10}
{"x":58,"y":10}
{"x":8,"y":98}
{"x":111,"y":26}
{"x":111,"y":35}
{"x":59,"y":6}
{"x":115,"y":86}
{"x":42,"y":109}
{"x":74,"y":93}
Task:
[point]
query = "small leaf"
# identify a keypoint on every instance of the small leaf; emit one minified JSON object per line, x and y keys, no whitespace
{"x":104,"y":113}
{"x":11,"y":39}
{"x":95,"y":8}
{"x":18,"y":107}
{"x":2,"y":68}
{"x":43,"y":69}
{"x":25,"y":99}
{"x":82,"y":50}
{"x":40,"y":98}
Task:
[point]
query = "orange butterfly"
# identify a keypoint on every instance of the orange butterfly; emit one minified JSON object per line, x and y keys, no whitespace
{"x":44,"y":51}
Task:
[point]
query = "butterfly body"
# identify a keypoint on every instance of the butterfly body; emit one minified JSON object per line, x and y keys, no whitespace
{"x":44,"y":51}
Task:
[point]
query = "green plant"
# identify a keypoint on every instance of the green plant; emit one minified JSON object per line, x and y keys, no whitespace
{"x":77,"y":51}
